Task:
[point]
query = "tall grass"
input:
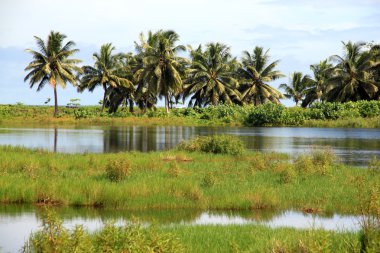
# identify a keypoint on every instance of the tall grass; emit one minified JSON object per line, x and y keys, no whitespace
{"x":178,"y":179}
{"x":54,"y":237}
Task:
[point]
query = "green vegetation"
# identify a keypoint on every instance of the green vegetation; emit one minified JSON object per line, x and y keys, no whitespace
{"x":53,"y":237}
{"x":351,"y":114}
{"x":177,"y":179}
{"x":210,"y":76}
{"x":217,"y":144}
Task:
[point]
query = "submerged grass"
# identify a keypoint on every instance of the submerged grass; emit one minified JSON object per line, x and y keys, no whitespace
{"x":178,"y":179}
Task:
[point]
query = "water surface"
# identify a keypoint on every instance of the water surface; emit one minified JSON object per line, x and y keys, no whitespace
{"x":352,"y":145}
{"x":17,"y":222}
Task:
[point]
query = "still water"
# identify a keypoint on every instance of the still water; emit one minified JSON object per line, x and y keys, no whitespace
{"x":17,"y":222}
{"x":353,"y":146}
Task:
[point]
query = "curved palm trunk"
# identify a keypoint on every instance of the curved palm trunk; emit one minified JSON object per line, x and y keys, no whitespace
{"x":55,"y":101}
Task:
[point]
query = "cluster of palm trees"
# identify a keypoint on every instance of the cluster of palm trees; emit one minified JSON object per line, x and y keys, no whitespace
{"x":210,"y":76}
{"x":353,"y":77}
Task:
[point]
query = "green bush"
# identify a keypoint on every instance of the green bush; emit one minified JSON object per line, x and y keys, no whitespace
{"x":118,"y":170}
{"x":268,"y":114}
{"x":368,"y":108}
{"x":82,"y":113}
{"x":293,"y":116}
{"x":217,"y":144}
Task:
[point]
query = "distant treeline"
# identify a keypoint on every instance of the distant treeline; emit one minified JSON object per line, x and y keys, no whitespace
{"x":361,"y":114}
{"x":210,"y":76}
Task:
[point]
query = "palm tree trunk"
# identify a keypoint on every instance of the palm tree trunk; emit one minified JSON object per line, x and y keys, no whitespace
{"x":130,"y":101}
{"x":167,"y":103}
{"x":104,"y":97}
{"x":55,"y":102}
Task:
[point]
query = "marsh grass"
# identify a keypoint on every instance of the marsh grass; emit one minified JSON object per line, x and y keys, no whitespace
{"x":187,"y":180}
{"x":117,"y":170}
{"x":54,"y":237}
{"x":132,"y":237}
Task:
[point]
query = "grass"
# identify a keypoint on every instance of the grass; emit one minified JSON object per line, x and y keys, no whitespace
{"x":184,"y":180}
{"x":53,"y":237}
{"x":237,"y":238}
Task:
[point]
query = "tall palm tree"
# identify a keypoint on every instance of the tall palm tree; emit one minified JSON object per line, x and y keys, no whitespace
{"x":321,"y":81}
{"x":52,"y":64}
{"x":210,"y":77}
{"x":255,"y":72}
{"x":353,"y":75}
{"x":160,"y":74}
{"x":106,"y":73}
{"x":375,"y":58}
{"x":297,"y":87}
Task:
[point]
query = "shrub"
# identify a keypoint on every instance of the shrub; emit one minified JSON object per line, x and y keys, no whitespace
{"x":268,"y":114}
{"x":374,"y":165}
{"x":174,"y":170}
{"x":118,"y":170}
{"x":368,"y":108}
{"x":208,"y":180}
{"x":293,"y":116}
{"x":318,"y":162}
{"x":217,"y":144}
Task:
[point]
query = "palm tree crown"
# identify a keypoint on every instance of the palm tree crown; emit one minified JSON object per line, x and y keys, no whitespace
{"x":107,"y":72}
{"x":321,"y":81}
{"x":255,"y":72}
{"x":52,"y":64}
{"x":161,"y":71}
{"x":210,"y":78}
{"x":353,"y":75}
{"x":297,"y":87}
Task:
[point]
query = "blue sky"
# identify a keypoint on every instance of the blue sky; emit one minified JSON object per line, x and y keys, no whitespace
{"x":299,"y":33}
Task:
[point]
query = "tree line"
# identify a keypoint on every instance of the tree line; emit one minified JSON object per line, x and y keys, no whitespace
{"x":209,"y":76}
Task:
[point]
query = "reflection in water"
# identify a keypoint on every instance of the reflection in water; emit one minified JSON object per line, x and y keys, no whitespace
{"x":55,"y":139}
{"x":18,"y":221}
{"x":355,"y":146}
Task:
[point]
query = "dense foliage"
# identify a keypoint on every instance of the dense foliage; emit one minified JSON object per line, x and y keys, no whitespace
{"x":267,"y":114}
{"x":210,"y":76}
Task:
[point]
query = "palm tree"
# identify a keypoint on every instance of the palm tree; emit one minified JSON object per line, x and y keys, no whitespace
{"x":255,"y":72}
{"x":375,"y":58}
{"x":106,"y":72}
{"x":321,"y":81}
{"x":353,"y":75}
{"x":210,"y":77}
{"x":161,"y":71}
{"x":297,"y":87}
{"x":52,"y":64}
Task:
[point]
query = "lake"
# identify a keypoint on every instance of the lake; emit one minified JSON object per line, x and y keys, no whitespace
{"x":351,"y":145}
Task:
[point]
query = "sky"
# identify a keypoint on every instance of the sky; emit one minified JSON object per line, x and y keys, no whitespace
{"x":298,"y":33}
